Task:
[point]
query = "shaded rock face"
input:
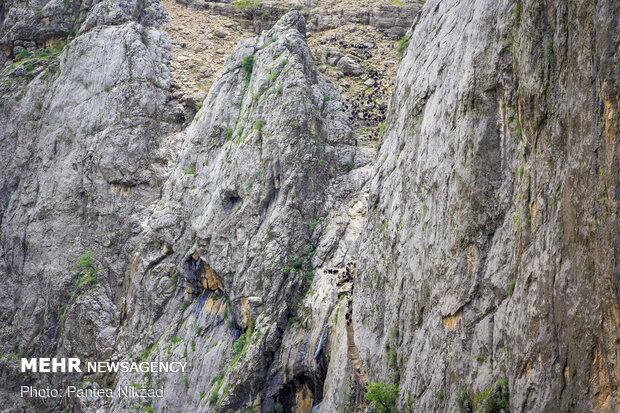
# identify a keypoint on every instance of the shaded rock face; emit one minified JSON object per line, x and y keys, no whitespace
{"x":471,"y":261}
{"x":45,"y":22}
{"x":490,"y":242}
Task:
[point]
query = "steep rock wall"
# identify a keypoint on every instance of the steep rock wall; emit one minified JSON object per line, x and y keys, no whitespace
{"x":488,"y":262}
{"x":240,"y":227}
{"x":472,"y":261}
{"x":81,"y":130}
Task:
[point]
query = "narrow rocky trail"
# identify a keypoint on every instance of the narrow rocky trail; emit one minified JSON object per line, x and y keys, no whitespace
{"x":354,"y":356}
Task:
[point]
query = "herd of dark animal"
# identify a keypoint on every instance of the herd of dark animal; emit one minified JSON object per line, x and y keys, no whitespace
{"x":369,"y":107}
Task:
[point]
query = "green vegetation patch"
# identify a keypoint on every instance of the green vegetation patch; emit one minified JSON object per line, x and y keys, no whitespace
{"x":248,"y":65}
{"x":402,"y":44}
{"x":382,"y":396}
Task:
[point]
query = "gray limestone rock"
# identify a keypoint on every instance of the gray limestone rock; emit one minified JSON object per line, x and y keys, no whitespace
{"x":492,"y":223}
{"x":349,"y":66}
{"x":81,"y":160}
{"x":264,"y":162}
{"x":471,"y":261}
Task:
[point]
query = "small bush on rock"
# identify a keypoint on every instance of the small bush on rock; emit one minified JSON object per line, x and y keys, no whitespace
{"x":382,"y":396}
{"x":248,"y":65}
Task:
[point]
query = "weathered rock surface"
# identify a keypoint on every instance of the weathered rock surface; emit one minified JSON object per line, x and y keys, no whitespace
{"x":240,"y":227}
{"x":471,"y":261}
{"x":45,"y":22}
{"x":349,"y":66}
{"x":492,"y":234}
{"x":81,"y":160}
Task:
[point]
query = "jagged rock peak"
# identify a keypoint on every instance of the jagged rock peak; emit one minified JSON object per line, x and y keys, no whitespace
{"x":293,"y":19}
{"x":267,"y":155}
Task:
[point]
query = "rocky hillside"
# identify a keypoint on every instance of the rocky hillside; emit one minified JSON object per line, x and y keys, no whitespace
{"x":225,"y":184}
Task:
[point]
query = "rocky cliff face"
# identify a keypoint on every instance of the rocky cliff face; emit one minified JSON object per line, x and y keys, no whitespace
{"x":240,"y":227}
{"x":491,"y":240}
{"x":470,"y":260}
{"x":82,"y":132}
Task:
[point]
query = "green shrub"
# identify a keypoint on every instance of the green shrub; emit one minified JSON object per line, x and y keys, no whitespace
{"x":216,"y":390}
{"x":313,"y":224}
{"x":87,"y":279}
{"x":240,"y":343}
{"x":228,"y":134}
{"x":216,"y":379}
{"x":276,"y":408}
{"x":248,"y":65}
{"x":394,"y":333}
{"x":303,"y":264}
{"x":62,"y":312}
{"x":382,"y":396}
{"x":23,"y":54}
{"x":85,"y":260}
{"x":258,"y":125}
{"x":461,"y":399}
{"x":393,"y":358}
{"x":176,"y":339}
{"x":511,"y":287}
{"x":381,"y":128}
{"x":272,"y":75}
{"x":107,"y":88}
{"x":190,"y":171}
{"x":402,"y":44}
{"x":147,"y":351}
{"x":494,"y":398}
{"x":244,"y":4}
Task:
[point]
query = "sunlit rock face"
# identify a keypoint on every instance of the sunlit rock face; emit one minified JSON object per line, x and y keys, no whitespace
{"x":243,"y":223}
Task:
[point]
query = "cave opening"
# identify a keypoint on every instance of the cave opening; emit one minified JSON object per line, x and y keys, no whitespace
{"x":305,"y":392}
{"x":232,"y":201}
